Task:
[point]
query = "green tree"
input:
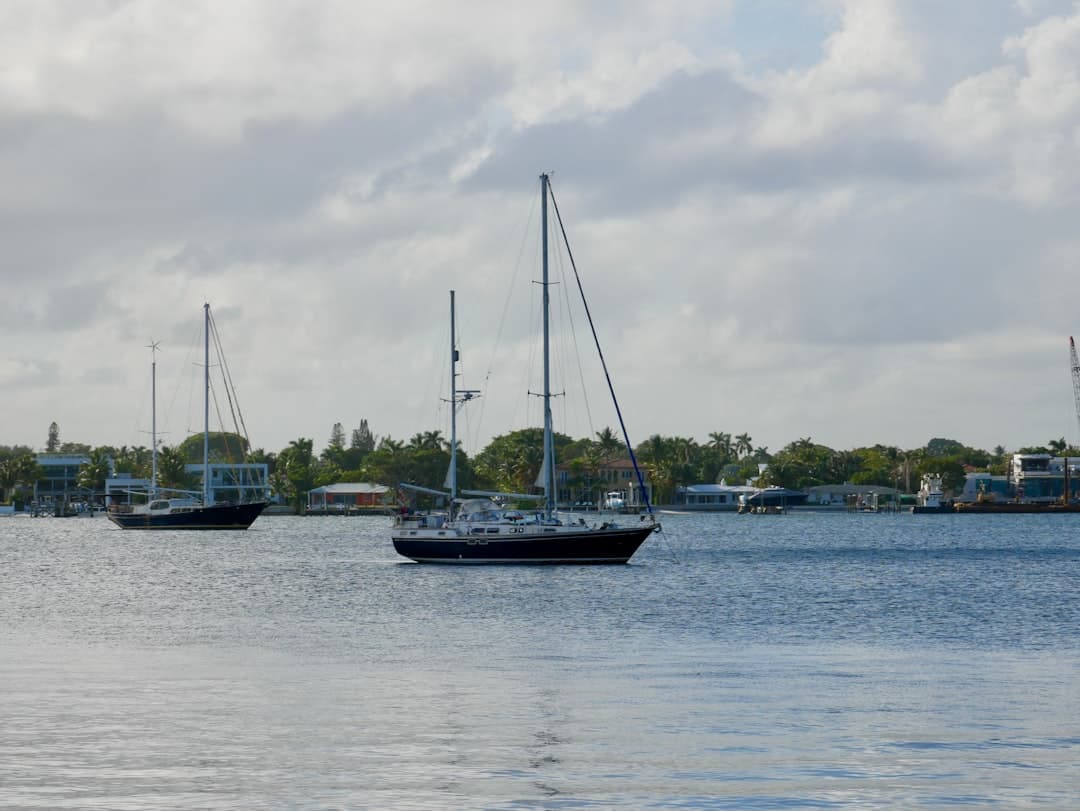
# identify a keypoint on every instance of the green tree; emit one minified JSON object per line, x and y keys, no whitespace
{"x":92,"y":474}
{"x":744,"y":445}
{"x":170,"y":469}
{"x":943,"y":447}
{"x":362,"y":438}
{"x":722,"y":444}
{"x":224,"y":446}
{"x":512,"y":461}
{"x":658,"y":455}
{"x":428,"y":441}
{"x":296,"y":472}
{"x":950,"y":468}
{"x":52,"y":444}
{"x":608,"y":443}
{"x":261,"y":457}
{"x":19,"y":474}
{"x":7,"y":479}
{"x":800,"y":464}
{"x":335,"y":448}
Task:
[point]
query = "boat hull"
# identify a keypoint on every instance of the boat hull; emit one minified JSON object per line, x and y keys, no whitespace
{"x":220,"y":516}
{"x":1016,"y":507}
{"x":936,"y":509}
{"x":602,"y":546}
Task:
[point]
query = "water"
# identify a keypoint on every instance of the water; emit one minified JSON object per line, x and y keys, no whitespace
{"x":761,"y":662}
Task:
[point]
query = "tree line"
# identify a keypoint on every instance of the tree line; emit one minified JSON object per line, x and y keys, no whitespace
{"x":512,"y":461}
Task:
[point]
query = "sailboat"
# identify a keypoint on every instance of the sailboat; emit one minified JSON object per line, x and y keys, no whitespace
{"x":173,"y":510}
{"x":480,"y":528}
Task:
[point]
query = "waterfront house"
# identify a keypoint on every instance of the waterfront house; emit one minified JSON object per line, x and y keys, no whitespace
{"x":348,"y":496}
{"x":712,"y":497}
{"x":848,"y":496}
{"x":579,"y":485}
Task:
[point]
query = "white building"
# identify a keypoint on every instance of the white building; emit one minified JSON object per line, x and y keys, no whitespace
{"x":233,"y":483}
{"x":706,"y":497}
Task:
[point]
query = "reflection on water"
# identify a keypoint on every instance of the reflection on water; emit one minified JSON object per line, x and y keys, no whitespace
{"x":805,"y":661}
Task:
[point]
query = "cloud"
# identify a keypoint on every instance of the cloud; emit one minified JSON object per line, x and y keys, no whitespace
{"x":818,"y":220}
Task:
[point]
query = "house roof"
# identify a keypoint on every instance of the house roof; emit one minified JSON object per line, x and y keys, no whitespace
{"x":351,"y":487}
{"x":707,"y":489}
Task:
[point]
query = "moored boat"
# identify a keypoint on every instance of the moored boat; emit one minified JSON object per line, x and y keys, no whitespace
{"x":160,"y":509}
{"x":487,"y":527}
{"x":931,"y":497}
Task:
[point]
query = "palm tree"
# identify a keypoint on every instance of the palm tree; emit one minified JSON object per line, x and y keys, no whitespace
{"x":295,"y":464}
{"x":744,"y":445}
{"x":721,"y":443}
{"x":22,"y":472}
{"x":390,"y":444}
{"x":170,"y":469}
{"x":608,"y":442}
{"x":657,"y":454}
{"x":92,"y":475}
{"x":433,"y":441}
{"x":7,"y":477}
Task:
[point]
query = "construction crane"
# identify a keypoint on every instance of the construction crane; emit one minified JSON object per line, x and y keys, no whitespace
{"x":1074,"y":364}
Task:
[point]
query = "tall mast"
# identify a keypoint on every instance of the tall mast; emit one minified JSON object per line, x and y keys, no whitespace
{"x":549,"y":439}
{"x":457,"y":396}
{"x":452,"y":475}
{"x":153,"y":418}
{"x":206,"y":406}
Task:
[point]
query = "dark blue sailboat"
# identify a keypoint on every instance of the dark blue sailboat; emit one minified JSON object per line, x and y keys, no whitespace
{"x":481,"y":530}
{"x":188,"y":511}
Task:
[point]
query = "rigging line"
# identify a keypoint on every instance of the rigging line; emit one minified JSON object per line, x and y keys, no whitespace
{"x":187,"y":381}
{"x":560,"y":402}
{"x":226,"y":376}
{"x":223,"y":434}
{"x":573,"y":338}
{"x":525,"y":231}
{"x":230,"y":388}
{"x":226,"y":381}
{"x":603,"y":361}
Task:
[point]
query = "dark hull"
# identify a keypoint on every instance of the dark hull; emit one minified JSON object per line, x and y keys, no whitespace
{"x":921,"y":509}
{"x":597,"y":547}
{"x":220,"y":516}
{"x":1016,"y":507}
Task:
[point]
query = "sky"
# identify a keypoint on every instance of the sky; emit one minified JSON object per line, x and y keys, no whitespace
{"x":850,"y":220}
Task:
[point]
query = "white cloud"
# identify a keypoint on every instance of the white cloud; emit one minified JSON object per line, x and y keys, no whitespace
{"x":836,"y":249}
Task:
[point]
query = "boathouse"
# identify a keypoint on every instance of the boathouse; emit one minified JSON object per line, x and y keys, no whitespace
{"x":347,"y":496}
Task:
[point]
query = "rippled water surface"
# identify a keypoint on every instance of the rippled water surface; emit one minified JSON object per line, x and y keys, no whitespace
{"x":802,"y":661}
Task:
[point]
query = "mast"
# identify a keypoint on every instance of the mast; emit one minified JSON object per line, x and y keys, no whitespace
{"x":206,"y":406}
{"x":452,"y":474}
{"x":549,"y":439}
{"x":457,"y":397}
{"x":153,"y":418}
